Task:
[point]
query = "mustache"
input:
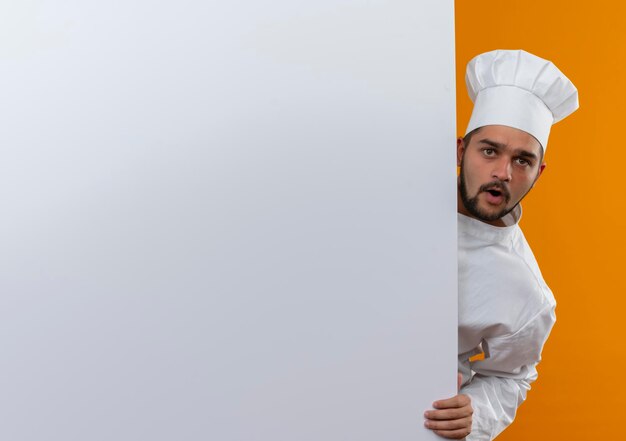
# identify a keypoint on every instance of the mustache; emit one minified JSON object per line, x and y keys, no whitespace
{"x":496,"y":185}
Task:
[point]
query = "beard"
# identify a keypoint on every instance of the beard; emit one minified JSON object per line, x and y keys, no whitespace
{"x":471,"y":203}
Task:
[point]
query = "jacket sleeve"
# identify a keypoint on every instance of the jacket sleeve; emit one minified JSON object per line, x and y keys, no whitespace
{"x":501,"y":381}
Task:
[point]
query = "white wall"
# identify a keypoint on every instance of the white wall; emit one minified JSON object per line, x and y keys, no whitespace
{"x":227,"y":221}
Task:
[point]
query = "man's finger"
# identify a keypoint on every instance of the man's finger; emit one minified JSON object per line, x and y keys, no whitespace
{"x":453,"y":434}
{"x":464,"y":423}
{"x":449,"y":414}
{"x":458,"y":401}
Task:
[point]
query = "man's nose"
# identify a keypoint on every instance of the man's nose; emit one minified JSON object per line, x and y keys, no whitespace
{"x":502,"y":170}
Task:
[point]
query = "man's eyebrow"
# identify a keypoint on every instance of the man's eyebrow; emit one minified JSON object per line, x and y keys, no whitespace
{"x":518,"y":152}
{"x":525,"y":154}
{"x":495,"y":145}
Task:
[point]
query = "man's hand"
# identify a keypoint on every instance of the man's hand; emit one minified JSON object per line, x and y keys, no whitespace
{"x":452,"y":418}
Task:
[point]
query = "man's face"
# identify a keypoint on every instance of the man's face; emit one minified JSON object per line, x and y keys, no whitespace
{"x":498,"y":167}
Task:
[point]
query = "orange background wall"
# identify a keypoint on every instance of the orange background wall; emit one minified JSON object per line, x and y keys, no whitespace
{"x":575,"y":218}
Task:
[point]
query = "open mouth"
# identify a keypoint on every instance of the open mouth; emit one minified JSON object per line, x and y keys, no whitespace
{"x":496,"y":195}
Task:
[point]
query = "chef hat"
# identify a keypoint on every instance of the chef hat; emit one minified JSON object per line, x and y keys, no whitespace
{"x":520,"y":90}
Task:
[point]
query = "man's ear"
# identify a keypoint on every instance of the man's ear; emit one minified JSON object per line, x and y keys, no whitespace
{"x":542,"y":167}
{"x":460,"y":148}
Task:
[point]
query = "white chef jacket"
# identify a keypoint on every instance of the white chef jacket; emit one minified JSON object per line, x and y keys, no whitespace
{"x":506,"y":310}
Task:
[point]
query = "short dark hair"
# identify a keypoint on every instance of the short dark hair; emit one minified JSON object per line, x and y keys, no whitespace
{"x":468,"y":137}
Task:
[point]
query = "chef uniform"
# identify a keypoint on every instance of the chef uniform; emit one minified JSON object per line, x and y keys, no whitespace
{"x":506,"y":310}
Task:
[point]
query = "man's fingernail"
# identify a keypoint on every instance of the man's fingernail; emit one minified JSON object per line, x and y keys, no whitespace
{"x":435,"y":404}
{"x":426,"y":423}
{"x":426,"y":414}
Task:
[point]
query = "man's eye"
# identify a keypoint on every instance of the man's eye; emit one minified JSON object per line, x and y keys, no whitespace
{"x":522,"y":161}
{"x":489,"y":152}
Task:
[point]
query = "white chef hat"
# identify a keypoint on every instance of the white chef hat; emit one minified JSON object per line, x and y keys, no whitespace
{"x":517,"y":89}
